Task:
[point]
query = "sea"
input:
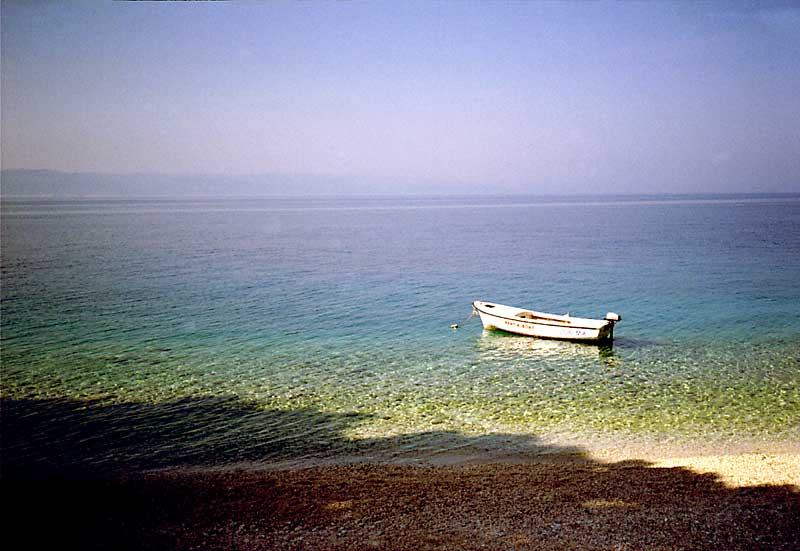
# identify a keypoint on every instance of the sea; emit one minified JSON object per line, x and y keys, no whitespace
{"x":146,"y":333}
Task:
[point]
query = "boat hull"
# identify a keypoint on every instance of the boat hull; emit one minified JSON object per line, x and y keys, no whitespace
{"x":543,"y":326}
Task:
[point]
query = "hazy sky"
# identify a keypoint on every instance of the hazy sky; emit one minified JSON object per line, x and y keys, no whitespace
{"x":519,"y":96}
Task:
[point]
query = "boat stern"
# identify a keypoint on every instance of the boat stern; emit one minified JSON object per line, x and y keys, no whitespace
{"x":607,"y":332}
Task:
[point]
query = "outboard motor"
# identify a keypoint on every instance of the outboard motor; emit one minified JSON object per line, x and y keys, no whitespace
{"x":613,"y":317}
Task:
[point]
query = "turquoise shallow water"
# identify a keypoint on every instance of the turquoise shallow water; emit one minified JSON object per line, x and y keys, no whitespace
{"x":170,"y":332}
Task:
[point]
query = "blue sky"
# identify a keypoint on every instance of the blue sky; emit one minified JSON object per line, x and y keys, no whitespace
{"x":580,"y":97}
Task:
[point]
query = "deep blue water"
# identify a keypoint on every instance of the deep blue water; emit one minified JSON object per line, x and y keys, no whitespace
{"x":252,"y":329}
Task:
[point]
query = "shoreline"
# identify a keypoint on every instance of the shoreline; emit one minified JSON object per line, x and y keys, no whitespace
{"x":744,"y":466}
{"x":430,"y":490}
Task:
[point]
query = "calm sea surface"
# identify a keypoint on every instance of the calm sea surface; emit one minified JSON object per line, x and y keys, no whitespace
{"x":148,"y":333}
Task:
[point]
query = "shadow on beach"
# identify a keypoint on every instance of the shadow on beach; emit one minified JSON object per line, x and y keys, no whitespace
{"x":85,"y":475}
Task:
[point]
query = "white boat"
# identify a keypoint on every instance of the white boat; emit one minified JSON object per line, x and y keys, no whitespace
{"x":545,"y":326}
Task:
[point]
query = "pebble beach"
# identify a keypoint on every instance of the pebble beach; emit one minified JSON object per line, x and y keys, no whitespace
{"x":552,"y":501}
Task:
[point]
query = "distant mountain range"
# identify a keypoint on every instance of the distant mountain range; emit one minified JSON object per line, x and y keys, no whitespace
{"x":50,"y":183}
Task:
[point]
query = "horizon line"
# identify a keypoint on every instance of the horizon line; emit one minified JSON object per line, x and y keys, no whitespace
{"x":307,"y":182}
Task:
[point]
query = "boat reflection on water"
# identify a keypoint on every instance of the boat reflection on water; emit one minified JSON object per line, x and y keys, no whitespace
{"x":510,"y":346}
